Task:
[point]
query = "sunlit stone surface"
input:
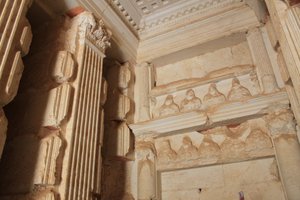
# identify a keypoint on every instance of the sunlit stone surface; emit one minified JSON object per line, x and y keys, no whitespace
{"x":149,"y":100}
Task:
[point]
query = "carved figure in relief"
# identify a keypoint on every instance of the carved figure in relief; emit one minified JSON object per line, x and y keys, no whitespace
{"x":208,"y":147}
{"x":232,"y":147}
{"x":238,"y":91}
{"x":166,"y":153}
{"x":213,"y":96}
{"x":146,"y":170}
{"x":258,"y":139}
{"x":169,"y":107}
{"x":187,"y":149}
{"x":190,"y":102}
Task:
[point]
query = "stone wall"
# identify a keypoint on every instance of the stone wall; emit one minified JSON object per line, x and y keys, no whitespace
{"x":203,"y":117}
{"x":54,"y":146}
{"x":15,"y":41}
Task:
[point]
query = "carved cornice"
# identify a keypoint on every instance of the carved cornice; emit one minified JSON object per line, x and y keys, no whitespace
{"x":200,"y":120}
{"x":125,"y":15}
{"x":194,"y":32}
{"x":183,"y":11}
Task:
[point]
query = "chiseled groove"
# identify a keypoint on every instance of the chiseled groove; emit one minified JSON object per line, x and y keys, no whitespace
{"x":81,"y":131}
{"x":51,"y":164}
{"x":88,"y":126}
{"x":74,"y":150}
{"x":89,"y":129}
{"x":86,"y":131}
{"x":49,"y":149}
{"x":6,"y":34}
{"x":2,"y":4}
{"x":58,"y":102}
{"x":97,"y":180}
{"x":95,"y":121}
{"x":75,"y":147}
{"x":98,"y":130}
{"x":16,"y":20}
{"x":4,"y":15}
{"x":95,"y":111}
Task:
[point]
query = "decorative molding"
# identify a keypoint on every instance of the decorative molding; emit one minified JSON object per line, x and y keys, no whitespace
{"x":199,"y":120}
{"x":120,"y":8}
{"x":183,"y":11}
{"x":190,"y":34}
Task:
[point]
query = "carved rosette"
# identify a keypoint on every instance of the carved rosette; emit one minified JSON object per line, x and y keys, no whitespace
{"x":94,"y":31}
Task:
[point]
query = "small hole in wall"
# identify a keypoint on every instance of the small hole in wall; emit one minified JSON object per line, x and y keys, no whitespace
{"x":200,"y":190}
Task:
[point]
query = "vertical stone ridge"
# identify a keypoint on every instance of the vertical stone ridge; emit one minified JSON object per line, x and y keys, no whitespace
{"x":15,"y":39}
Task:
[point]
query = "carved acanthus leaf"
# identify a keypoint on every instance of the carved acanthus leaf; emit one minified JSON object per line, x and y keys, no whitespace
{"x":95,"y":31}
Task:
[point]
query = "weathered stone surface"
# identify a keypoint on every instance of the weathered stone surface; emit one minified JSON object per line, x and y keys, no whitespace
{"x":256,"y":179}
{"x":63,"y":66}
{"x":201,"y":97}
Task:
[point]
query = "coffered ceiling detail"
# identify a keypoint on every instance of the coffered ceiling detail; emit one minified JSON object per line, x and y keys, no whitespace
{"x":149,"y":6}
{"x":145,"y":15}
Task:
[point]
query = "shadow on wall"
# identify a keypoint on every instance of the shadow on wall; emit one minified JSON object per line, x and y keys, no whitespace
{"x":118,"y":141}
{"x":33,"y":134}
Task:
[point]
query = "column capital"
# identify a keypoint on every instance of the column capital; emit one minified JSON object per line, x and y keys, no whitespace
{"x":94,"y":30}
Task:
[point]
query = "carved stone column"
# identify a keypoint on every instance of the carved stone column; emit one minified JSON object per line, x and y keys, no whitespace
{"x":143,"y":85}
{"x":282,"y":127}
{"x":83,"y":156}
{"x":15,"y":40}
{"x":285,"y":20}
{"x":262,"y":61}
{"x":56,"y":144}
{"x":146,"y":165}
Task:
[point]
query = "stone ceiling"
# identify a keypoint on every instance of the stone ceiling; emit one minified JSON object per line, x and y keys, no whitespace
{"x":133,"y":11}
{"x":142,"y":14}
{"x":149,"y":6}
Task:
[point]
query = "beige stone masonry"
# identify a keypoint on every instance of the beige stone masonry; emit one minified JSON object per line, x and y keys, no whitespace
{"x":15,"y":40}
{"x":262,"y":61}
